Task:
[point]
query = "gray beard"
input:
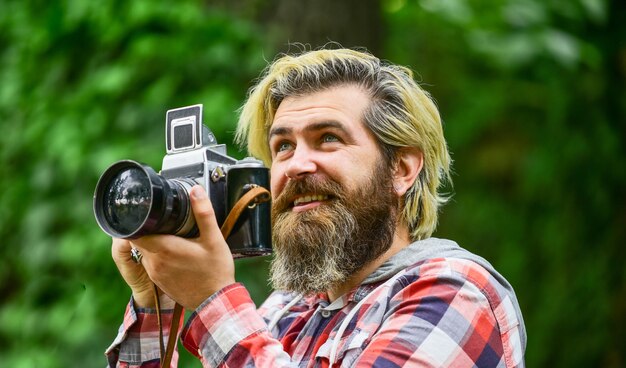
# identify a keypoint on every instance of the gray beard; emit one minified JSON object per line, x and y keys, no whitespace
{"x":319,"y":249}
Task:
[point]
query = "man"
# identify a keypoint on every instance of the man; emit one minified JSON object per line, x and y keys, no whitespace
{"x":357,"y":155}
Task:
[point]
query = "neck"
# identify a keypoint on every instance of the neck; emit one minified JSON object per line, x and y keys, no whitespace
{"x":401,"y":239}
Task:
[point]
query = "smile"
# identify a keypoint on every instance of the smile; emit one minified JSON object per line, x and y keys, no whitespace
{"x":309,"y":198}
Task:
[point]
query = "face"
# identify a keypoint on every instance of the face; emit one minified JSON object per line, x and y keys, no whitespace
{"x":321,"y":135}
{"x":334,"y":209}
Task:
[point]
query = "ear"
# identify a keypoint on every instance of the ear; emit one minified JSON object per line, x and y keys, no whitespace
{"x":409,"y":164}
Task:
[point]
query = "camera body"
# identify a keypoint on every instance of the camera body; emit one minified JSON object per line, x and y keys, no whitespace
{"x":132,"y":200}
{"x":194,"y":156}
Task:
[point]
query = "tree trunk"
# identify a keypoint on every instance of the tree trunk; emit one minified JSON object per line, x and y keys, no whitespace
{"x":314,"y":23}
{"x":351,"y":23}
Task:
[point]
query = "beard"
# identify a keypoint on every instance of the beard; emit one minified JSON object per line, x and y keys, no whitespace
{"x":319,"y":249}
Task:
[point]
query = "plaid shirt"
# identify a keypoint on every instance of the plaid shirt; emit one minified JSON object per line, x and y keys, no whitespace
{"x":441,"y":312}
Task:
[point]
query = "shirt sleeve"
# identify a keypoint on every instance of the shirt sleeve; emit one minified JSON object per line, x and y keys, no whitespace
{"x":137,"y":341}
{"x":226,"y":330}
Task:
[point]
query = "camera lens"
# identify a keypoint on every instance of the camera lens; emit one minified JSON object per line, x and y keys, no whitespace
{"x":132,"y":200}
{"x":127,"y":200}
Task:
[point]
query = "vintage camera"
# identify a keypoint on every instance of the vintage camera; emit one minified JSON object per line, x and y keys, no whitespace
{"x":131,"y":200}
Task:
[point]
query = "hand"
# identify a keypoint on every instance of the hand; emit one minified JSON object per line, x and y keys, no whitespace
{"x":136,"y":277}
{"x":189,"y":270}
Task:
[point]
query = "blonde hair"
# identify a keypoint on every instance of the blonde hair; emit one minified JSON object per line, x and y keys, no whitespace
{"x":401,"y":114}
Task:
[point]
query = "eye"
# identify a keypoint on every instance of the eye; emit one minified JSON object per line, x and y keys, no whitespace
{"x":283,"y":146}
{"x":329,"y":138}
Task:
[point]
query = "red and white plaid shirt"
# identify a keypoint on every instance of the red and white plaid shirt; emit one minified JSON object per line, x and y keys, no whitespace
{"x":438,"y":312}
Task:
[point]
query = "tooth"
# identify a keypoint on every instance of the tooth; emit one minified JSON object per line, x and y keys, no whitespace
{"x":310,"y":198}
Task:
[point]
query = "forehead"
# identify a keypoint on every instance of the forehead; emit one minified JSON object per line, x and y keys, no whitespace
{"x":345,"y":104}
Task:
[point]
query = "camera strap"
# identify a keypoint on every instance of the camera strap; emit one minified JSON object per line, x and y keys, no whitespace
{"x":255,"y":195}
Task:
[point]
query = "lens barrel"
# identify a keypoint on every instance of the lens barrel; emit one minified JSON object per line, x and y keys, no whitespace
{"x":131,"y":200}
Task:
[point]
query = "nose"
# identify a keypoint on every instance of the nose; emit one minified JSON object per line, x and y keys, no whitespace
{"x":301,"y":163}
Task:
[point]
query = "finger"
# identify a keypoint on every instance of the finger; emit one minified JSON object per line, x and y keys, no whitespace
{"x":120,"y":249}
{"x":203,"y":212}
{"x":153,"y":243}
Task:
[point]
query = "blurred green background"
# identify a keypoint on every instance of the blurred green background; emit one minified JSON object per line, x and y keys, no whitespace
{"x":532,"y":93}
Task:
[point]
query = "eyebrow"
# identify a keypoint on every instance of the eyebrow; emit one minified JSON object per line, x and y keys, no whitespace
{"x":310,"y":128}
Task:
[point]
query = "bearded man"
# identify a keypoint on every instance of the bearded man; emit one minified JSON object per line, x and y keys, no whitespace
{"x":357,"y":155}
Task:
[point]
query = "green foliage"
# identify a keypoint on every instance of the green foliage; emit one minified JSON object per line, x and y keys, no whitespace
{"x":85,"y":84}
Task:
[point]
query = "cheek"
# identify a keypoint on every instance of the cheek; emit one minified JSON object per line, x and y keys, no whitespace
{"x":360,"y":173}
{"x":277,"y":181}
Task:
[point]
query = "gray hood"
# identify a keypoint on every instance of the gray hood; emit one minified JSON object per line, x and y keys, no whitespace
{"x":422,"y":250}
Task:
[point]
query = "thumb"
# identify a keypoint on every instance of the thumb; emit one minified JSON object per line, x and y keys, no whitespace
{"x":203,"y":212}
{"x":120,"y":250}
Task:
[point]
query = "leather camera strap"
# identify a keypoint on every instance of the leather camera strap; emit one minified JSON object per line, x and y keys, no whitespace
{"x":251,"y":198}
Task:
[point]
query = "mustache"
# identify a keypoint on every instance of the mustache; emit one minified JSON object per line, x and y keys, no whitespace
{"x":306,"y":185}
